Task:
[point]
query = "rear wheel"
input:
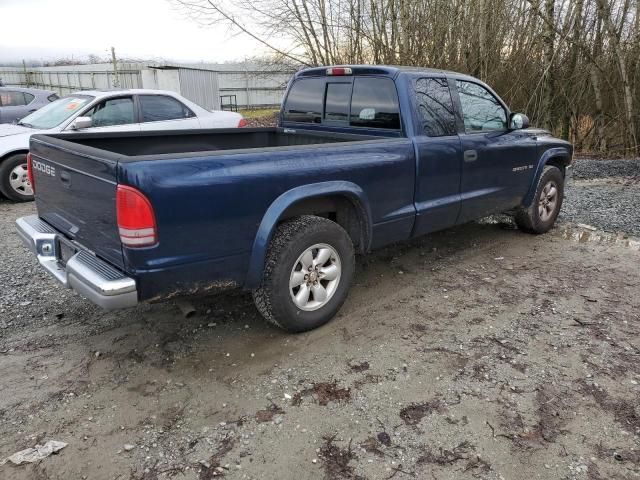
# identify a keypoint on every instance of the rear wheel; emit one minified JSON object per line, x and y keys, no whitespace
{"x":540,"y":216}
{"x":14,"y":181}
{"x":307,"y":275}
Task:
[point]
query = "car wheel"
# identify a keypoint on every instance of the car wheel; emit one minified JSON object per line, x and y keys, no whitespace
{"x":14,"y":182}
{"x":307,"y":274}
{"x":540,"y":216}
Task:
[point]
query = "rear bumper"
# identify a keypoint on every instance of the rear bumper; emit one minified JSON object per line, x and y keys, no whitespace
{"x":86,"y":274}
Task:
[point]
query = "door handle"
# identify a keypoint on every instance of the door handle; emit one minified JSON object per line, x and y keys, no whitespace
{"x":470,"y":155}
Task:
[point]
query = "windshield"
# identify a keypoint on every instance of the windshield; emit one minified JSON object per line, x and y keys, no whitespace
{"x":55,"y":113}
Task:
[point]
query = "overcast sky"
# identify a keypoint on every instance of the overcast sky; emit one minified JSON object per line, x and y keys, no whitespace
{"x":144,"y":29}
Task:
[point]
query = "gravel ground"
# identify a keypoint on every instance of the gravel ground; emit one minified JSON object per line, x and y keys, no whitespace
{"x":478,"y":352}
{"x":587,"y":169}
{"x":605,"y":194}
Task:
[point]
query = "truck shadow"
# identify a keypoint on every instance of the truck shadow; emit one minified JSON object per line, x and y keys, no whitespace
{"x":225,"y":340}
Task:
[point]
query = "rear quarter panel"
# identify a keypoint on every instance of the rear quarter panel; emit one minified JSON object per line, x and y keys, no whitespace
{"x":209,"y":207}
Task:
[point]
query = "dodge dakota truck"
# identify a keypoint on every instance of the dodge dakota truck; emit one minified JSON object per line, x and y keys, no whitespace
{"x":363,"y":156}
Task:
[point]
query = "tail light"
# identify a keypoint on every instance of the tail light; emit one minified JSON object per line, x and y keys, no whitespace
{"x":242,"y":123}
{"x":30,"y":172}
{"x":136,"y":219}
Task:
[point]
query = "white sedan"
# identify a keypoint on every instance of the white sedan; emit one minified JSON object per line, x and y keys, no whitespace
{"x":100,"y":111}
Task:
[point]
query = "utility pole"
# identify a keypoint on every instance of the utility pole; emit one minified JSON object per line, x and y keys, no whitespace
{"x":246,"y":82}
{"x":116,"y":79}
{"x":26,"y":74}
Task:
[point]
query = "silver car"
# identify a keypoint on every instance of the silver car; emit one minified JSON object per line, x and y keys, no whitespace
{"x":18,"y":102}
{"x":132,"y":110}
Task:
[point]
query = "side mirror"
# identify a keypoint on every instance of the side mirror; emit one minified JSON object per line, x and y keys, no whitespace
{"x":81,"y":122}
{"x":518,"y":121}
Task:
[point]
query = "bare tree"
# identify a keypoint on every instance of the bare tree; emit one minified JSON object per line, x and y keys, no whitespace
{"x":572,"y":65}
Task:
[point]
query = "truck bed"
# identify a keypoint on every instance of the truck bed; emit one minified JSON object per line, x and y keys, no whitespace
{"x":210,"y":190}
{"x":175,"y":143}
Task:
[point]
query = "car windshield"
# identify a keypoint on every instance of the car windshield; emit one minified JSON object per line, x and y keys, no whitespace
{"x":55,"y":113}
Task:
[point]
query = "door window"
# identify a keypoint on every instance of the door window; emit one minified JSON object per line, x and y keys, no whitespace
{"x":375,"y":104}
{"x":115,"y":111}
{"x":14,"y":99}
{"x":304,"y":102}
{"x":336,"y":105}
{"x":435,"y":107}
{"x":156,"y":108}
{"x":482,"y":111}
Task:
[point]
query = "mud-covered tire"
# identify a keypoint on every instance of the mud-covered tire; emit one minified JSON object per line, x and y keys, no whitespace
{"x":275,"y":299}
{"x":541,"y":215}
{"x":10,"y":167}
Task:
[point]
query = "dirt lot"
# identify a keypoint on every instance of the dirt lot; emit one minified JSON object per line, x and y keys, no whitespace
{"x":479,"y":352}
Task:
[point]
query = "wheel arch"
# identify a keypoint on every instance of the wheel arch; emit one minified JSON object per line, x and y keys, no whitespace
{"x":341,"y":201}
{"x":5,"y":189}
{"x":12,"y":153}
{"x":558,"y":157}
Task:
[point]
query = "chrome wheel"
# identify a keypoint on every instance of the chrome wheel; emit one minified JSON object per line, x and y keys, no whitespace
{"x":548,"y":201}
{"x":19,"y":180}
{"x":315,"y":277}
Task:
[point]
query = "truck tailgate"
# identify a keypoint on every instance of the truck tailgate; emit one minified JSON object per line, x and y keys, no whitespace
{"x":76,"y":194}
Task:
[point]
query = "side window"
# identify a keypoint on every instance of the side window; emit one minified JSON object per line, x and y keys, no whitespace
{"x":53,"y":97}
{"x":114,"y":111}
{"x":304,"y":101}
{"x":336,"y":105}
{"x":482,"y":112}
{"x":28,"y":98}
{"x":13,"y":99}
{"x":156,"y":108}
{"x":374,"y":104}
{"x":435,"y":107}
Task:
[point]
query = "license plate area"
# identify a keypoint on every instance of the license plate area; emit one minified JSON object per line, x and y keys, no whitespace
{"x":65,"y":250}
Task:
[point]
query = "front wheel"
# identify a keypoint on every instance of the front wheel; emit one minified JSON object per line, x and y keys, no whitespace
{"x":14,"y":181}
{"x":307,"y":275}
{"x":540,"y":216}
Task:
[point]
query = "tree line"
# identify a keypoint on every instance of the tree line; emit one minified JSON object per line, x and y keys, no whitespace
{"x":572,"y":65}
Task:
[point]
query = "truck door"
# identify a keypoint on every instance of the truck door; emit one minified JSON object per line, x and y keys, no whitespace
{"x":497,"y":163}
{"x":439,"y":167}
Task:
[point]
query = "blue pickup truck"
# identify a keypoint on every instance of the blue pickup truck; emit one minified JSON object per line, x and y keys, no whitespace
{"x":363,"y":156}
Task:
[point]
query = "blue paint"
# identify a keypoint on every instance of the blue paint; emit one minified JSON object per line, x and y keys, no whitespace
{"x":547,"y":151}
{"x":273,"y":214}
{"x":216,"y":211}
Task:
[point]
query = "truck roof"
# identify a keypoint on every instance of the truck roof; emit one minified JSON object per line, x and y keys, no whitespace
{"x":391,"y":70}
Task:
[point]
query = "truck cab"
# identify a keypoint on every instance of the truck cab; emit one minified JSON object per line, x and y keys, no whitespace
{"x":474,"y":157}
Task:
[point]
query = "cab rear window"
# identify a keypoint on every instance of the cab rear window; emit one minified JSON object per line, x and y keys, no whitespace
{"x":336,"y":105}
{"x":304,"y":102}
{"x":366,"y":102}
{"x":374,"y":104}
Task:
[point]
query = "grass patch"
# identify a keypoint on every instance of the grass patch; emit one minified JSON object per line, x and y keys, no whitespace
{"x":258,"y":112}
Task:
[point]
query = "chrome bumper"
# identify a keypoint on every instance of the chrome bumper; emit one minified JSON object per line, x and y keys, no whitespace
{"x":86,"y":274}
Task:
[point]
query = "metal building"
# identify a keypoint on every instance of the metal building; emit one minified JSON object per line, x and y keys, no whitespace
{"x":247,"y":84}
{"x":198,"y":85}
